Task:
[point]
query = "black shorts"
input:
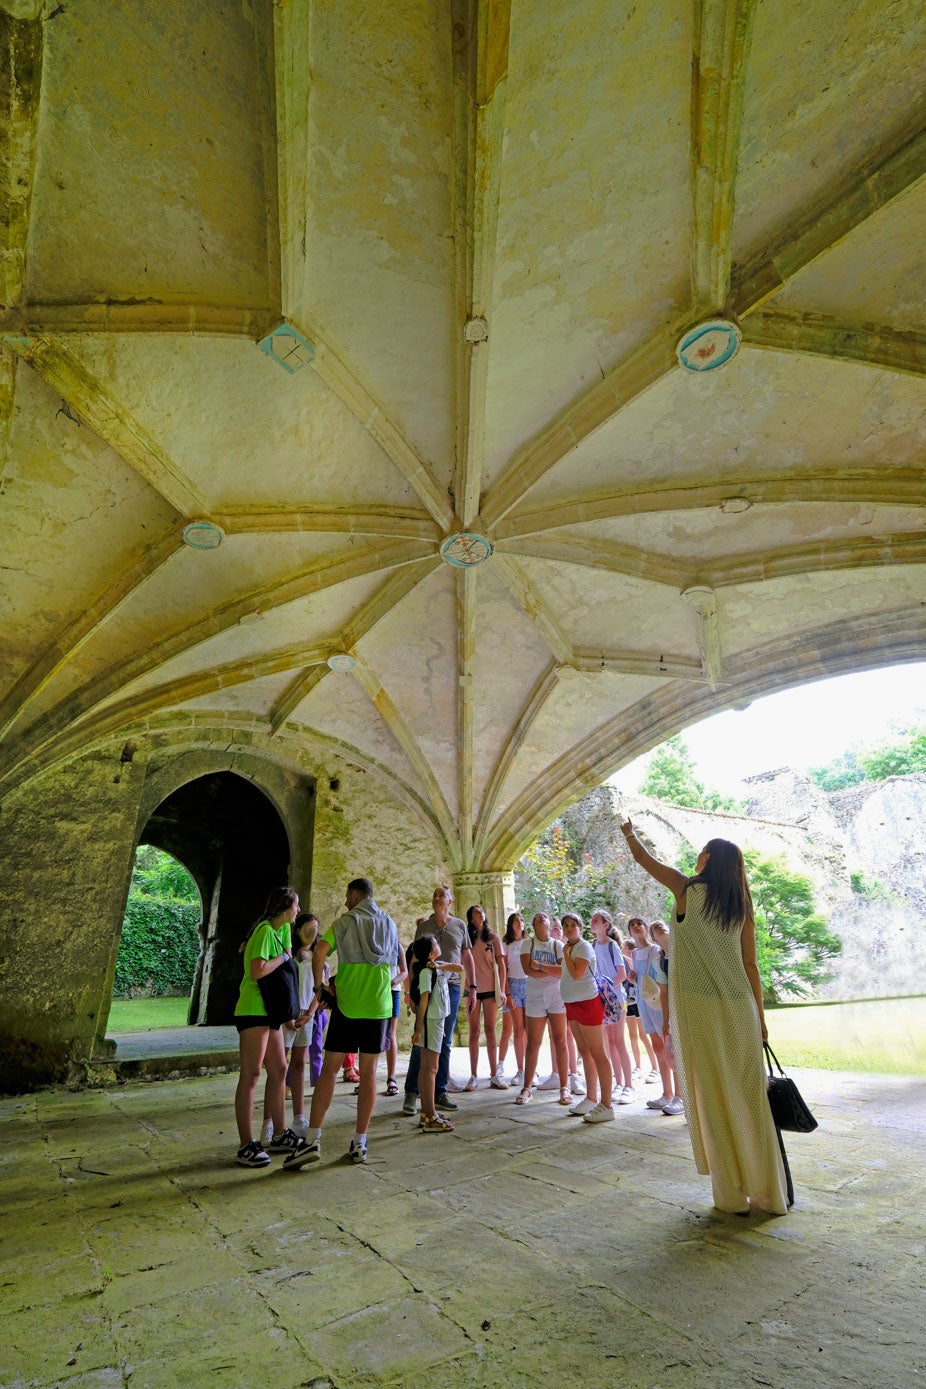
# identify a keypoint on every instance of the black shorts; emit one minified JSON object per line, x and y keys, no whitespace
{"x":481,"y":998}
{"x":245,"y":1020}
{"x":632,"y":1010}
{"x":366,"y":1035}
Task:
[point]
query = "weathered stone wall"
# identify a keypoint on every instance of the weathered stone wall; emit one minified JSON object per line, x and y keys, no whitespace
{"x":66,"y":847}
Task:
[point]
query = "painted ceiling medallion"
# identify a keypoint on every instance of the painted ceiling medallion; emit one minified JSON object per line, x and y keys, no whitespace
{"x":203,"y":535}
{"x":465,"y":549}
{"x":341,"y":661}
{"x":709,"y":345}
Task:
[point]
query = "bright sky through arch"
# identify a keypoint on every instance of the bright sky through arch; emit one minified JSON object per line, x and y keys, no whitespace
{"x":804,"y":727}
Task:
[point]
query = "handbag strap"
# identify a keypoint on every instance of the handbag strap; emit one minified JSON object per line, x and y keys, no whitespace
{"x":784,"y":1158}
{"x":770,"y":1057}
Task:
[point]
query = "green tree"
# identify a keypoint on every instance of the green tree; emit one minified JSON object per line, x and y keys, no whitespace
{"x":841,"y":772}
{"x":554,"y":875}
{"x":898,"y":758}
{"x":794,"y":944}
{"x":671,"y":776}
{"x":158,"y":874}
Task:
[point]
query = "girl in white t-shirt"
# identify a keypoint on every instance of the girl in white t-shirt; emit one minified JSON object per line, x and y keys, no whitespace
{"x":429,"y":993}
{"x":542,"y":959}
{"x":585,"y":1014}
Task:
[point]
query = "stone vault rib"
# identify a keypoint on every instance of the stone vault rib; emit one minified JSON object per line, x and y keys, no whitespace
{"x":112,"y":422}
{"x":884,"y":177}
{"x":581,"y":418}
{"x":479,"y":43}
{"x":818,"y":335}
{"x":389,"y":713}
{"x":22,"y":49}
{"x":884,"y":485}
{"x":723,"y":35}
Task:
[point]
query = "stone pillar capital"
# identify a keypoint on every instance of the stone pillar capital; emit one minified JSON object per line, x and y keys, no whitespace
{"x":492,"y":891}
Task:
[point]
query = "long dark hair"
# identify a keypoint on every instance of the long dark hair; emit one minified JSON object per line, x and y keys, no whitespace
{"x":728,"y":901}
{"x":280,"y":899}
{"x":419,"y":953}
{"x":485,"y":934}
{"x":509,"y":936}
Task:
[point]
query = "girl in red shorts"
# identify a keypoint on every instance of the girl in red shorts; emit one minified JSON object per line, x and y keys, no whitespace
{"x":585,"y":1015}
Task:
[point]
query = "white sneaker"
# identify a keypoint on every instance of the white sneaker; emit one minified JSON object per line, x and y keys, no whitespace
{"x":660,"y":1103}
{"x":599,"y":1115}
{"x":582,"y":1107}
{"x":301,"y":1126}
{"x":266,"y":1133}
{"x":575,"y":1084}
{"x":551,"y":1083}
{"x":454,"y":1086}
{"x":471,"y":1084}
{"x":637,"y":1073}
{"x":626,"y":1096}
{"x":652,"y":1078}
{"x":498,"y":1081}
{"x":674,"y":1106}
{"x":517,"y":1080}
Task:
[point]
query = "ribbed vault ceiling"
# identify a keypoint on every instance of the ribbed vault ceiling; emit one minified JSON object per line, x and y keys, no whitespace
{"x":492,"y":223}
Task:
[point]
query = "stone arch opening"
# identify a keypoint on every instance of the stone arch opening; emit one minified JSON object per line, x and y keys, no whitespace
{"x":232,"y":839}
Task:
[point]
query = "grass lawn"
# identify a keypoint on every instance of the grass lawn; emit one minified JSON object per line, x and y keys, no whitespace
{"x":887,"y":1036}
{"x":144,"y":1014}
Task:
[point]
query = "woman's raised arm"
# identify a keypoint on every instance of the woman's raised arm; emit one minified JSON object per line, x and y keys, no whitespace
{"x":671,"y":878}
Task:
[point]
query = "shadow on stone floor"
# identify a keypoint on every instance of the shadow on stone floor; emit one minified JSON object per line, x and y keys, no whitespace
{"x":526,"y":1249}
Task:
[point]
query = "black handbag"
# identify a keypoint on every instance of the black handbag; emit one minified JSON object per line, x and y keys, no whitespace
{"x":280,"y":992}
{"x":787,"y":1105}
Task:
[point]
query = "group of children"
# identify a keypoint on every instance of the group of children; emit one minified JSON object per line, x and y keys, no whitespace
{"x":593,"y":995}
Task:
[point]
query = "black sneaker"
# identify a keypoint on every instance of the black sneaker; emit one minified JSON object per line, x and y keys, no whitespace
{"x":357,"y":1152}
{"x":252,"y":1155}
{"x":283,"y":1142}
{"x":443,"y":1101}
{"x":302,"y":1153}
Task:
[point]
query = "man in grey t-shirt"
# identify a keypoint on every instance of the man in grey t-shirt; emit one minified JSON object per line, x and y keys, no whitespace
{"x":452,"y":935}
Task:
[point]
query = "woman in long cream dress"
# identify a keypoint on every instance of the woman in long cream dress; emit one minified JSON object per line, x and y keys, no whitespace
{"x":718,"y":1026}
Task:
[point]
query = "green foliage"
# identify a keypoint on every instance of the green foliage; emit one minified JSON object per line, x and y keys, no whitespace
{"x":869,"y":888}
{"x":793,"y":942}
{"x":906,"y":754}
{"x":157,"y":874}
{"x":841,"y":772}
{"x":670,"y":776}
{"x":901,"y":755}
{"x":554,"y":875}
{"x":159,"y":945}
{"x":158,"y":948}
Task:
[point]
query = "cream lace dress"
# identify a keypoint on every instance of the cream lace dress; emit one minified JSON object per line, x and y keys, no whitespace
{"x":718,"y":1051}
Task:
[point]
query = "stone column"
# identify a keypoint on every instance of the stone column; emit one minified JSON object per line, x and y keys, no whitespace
{"x":493,"y":891}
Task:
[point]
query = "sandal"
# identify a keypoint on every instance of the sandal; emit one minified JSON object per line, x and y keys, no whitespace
{"x":352,"y":1075}
{"x":564,"y":1095}
{"x":391,"y":1086}
{"x":435,"y":1123}
{"x":525,"y":1095}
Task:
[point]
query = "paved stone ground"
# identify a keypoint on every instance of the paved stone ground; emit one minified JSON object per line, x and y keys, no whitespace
{"x":526,"y":1249}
